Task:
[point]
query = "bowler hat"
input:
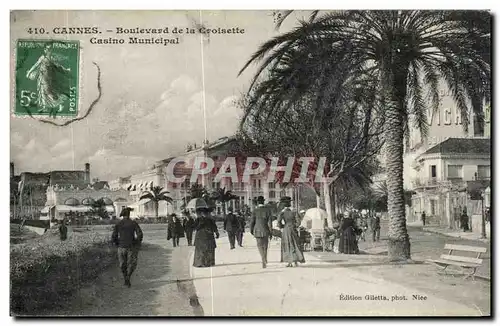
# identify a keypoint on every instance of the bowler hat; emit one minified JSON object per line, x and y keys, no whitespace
{"x":126,"y":211}
{"x":260,"y":199}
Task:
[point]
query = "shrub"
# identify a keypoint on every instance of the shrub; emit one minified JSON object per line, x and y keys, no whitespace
{"x":46,"y":270}
{"x":36,"y":223}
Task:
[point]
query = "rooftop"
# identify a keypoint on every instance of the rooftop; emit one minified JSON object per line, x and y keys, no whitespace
{"x":462,"y":146}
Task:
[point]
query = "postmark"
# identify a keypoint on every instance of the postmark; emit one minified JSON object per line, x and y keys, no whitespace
{"x":47,"y":77}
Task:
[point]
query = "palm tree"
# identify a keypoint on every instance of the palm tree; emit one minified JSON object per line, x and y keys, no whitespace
{"x":385,"y":60}
{"x":156,"y":194}
{"x":196,"y":190}
{"x":223,"y":196}
{"x":99,"y":208}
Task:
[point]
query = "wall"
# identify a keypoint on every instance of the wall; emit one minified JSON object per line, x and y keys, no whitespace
{"x":58,"y":197}
{"x":469,"y":166}
{"x":425,"y":170}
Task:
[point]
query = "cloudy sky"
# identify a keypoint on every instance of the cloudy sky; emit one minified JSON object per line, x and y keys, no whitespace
{"x":152,"y":95}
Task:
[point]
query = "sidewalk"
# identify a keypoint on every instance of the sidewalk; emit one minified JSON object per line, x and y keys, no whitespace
{"x":238,"y":286}
{"x":455,"y":234}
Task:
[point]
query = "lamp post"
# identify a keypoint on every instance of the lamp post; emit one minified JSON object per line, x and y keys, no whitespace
{"x":483,"y":222}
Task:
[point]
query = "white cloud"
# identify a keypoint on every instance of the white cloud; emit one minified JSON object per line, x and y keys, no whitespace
{"x":110,"y":164}
{"x":31,"y":145}
{"x":184,"y":84}
{"x":62,"y":146}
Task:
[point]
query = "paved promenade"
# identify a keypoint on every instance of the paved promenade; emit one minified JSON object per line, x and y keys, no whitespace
{"x":238,"y":285}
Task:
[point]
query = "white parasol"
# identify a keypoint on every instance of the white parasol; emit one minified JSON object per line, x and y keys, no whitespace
{"x":197,"y":203}
{"x":314,"y":219}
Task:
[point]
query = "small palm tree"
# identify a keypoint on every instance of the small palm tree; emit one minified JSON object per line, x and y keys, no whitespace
{"x":223,"y":196}
{"x":196,"y":190}
{"x":156,"y":194}
{"x":99,"y":209}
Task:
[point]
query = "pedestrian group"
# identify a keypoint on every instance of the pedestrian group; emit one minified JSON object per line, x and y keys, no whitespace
{"x":128,"y":236}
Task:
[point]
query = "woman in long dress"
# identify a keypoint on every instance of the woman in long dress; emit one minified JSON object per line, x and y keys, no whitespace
{"x":290,"y":248}
{"x":204,"y":241}
{"x":348,"y":243}
{"x":52,"y":79}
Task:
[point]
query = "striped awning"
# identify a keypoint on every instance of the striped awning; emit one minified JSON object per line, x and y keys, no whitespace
{"x":67,"y":208}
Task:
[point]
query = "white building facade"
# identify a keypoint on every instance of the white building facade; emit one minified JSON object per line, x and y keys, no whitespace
{"x":218,"y":151}
{"x":447,"y":175}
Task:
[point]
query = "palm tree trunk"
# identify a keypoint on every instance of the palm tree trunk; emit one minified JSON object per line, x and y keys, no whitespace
{"x":328,"y":206}
{"x":156,"y":204}
{"x":334,"y":201}
{"x":399,"y":242}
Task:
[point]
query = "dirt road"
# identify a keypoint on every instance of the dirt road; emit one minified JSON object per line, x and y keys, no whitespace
{"x":161,"y":285}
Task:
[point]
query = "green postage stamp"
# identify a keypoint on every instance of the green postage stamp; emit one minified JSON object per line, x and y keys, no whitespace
{"x":47,"y":78}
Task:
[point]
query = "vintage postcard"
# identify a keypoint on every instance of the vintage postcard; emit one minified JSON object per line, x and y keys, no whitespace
{"x":250,"y":163}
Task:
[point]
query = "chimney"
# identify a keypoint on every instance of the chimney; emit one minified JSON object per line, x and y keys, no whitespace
{"x":11,"y":170}
{"x":87,"y":172}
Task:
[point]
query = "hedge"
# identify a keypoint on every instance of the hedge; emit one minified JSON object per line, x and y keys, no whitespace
{"x":37,"y":223}
{"x":45,"y":271}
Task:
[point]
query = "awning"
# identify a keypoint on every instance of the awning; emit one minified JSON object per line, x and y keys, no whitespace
{"x":46,"y":209}
{"x":66,"y":208}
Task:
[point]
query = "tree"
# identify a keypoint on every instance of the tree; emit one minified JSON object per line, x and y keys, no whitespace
{"x":197,"y":190}
{"x":223,"y":196}
{"x":383,"y":58}
{"x":99,"y":209}
{"x":348,"y":143}
{"x":156,"y":194}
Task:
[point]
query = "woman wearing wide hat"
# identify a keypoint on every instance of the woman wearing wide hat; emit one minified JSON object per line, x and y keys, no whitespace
{"x":290,"y":248}
{"x":204,"y":241}
{"x":348,"y":243}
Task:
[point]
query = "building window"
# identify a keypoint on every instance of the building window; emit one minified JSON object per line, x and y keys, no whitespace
{"x":433,"y":206}
{"x":259,"y":183}
{"x":272,"y":194}
{"x":272,"y":185}
{"x":483,"y":172}
{"x":454,"y":171}
{"x":254,"y":182}
{"x":433,"y":171}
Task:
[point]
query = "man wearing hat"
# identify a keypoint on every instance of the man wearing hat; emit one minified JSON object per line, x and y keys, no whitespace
{"x":260,"y":228}
{"x":231,"y":227}
{"x":127,"y":235}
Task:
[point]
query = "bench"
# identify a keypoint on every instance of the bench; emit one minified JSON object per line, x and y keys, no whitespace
{"x":469,"y":265}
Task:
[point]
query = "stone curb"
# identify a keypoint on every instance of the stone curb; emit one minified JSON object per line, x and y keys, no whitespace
{"x":454,"y":236}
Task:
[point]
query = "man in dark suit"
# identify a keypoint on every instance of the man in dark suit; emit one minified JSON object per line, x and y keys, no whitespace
{"x":231,"y":226}
{"x":188,"y":225}
{"x":260,"y":228}
{"x":127,"y":235}
{"x":375,"y":225}
{"x":241,"y":228}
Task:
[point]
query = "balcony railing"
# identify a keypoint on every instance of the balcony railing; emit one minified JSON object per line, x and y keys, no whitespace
{"x":435,"y":182}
